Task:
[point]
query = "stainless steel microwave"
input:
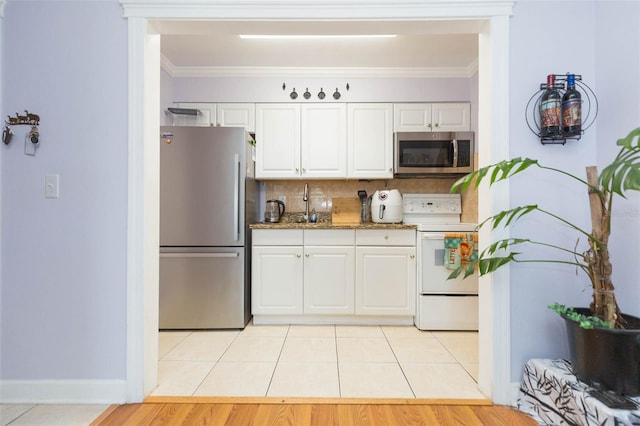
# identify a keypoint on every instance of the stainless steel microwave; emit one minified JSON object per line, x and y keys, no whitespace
{"x":432,"y":153}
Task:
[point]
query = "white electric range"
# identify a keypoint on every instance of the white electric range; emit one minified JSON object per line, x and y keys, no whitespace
{"x":442,"y":304}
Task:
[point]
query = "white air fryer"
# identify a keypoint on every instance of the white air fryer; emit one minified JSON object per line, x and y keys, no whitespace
{"x":386,"y":206}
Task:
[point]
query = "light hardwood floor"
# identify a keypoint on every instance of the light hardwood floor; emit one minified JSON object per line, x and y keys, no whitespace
{"x":306,"y":411}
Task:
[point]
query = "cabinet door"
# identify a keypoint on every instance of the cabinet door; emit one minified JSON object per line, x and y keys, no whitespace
{"x":206,"y":115}
{"x":324,"y":140}
{"x":414,"y":117}
{"x":385,"y":281}
{"x":451,"y":117}
{"x":370,"y":141}
{"x":236,"y":115}
{"x":276,"y":280}
{"x":277,"y":141}
{"x":329,"y":280}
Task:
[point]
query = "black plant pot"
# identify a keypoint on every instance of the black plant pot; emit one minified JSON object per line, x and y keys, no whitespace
{"x":606,"y":358}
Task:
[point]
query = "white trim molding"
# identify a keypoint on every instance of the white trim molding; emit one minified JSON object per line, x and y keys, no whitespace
{"x":318,"y":72}
{"x":142,"y":307}
{"x":315,"y":9}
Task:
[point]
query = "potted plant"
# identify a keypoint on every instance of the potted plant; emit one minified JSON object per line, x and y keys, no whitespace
{"x":598,"y":329}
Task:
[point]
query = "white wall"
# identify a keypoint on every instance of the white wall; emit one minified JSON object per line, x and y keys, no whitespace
{"x":63,"y":306}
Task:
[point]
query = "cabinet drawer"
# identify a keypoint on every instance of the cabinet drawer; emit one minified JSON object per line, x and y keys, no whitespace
{"x":329,"y":237}
{"x":277,"y":237}
{"x":385,"y":237}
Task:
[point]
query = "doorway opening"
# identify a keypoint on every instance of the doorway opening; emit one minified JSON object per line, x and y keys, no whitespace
{"x":143,"y":238}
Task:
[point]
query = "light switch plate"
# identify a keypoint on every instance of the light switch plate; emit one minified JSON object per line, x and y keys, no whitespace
{"x":51,"y":186}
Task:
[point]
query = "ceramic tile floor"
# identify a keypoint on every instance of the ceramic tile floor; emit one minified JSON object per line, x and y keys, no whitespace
{"x":319,"y":361}
{"x":50,"y":414}
{"x":295,"y":360}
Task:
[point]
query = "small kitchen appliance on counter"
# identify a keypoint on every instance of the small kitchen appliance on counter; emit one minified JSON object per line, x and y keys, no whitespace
{"x":443,"y":304}
{"x":386,"y":206}
{"x":273,"y":211}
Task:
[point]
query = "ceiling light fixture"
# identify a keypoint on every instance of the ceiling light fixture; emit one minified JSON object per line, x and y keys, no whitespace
{"x":314,"y":36}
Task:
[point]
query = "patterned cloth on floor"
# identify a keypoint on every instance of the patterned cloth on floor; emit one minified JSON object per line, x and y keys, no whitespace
{"x":552,"y":395}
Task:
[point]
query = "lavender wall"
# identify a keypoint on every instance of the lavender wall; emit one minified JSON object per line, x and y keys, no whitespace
{"x":617,"y":47}
{"x":201,"y":89}
{"x":538,"y":49}
{"x":63,"y":300}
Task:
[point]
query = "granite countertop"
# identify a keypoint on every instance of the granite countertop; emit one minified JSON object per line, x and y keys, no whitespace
{"x":330,"y":225}
{"x":296,"y":220}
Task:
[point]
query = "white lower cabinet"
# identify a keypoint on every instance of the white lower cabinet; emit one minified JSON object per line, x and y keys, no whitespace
{"x":385,"y":281}
{"x":276,"y":280}
{"x":328,"y":280}
{"x":325,"y":274}
{"x":386,"y":272}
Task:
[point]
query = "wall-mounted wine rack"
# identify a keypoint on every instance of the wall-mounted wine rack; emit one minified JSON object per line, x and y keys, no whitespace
{"x":589,"y":109}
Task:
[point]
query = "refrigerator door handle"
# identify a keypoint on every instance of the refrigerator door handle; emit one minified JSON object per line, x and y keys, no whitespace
{"x":236,"y":197}
{"x":210,"y":255}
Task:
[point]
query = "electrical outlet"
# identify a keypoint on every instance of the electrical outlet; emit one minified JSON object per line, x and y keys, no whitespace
{"x":51,"y":186}
{"x":282,"y":198}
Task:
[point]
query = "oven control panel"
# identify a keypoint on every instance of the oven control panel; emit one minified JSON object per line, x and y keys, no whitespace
{"x":432,"y":204}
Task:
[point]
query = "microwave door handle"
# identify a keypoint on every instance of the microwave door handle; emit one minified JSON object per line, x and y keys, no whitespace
{"x":455,"y":152}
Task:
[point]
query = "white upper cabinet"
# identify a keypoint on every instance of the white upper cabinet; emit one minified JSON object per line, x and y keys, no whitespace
{"x":236,"y":115}
{"x":217,"y":114}
{"x":324,"y":141}
{"x":370,"y":141}
{"x":277,"y":141}
{"x":426,"y":117}
{"x":301,"y":141}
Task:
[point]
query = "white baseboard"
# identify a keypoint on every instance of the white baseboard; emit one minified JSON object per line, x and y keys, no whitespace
{"x":63,"y":391}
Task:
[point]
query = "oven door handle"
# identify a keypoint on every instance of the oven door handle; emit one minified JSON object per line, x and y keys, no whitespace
{"x":431,"y":236}
{"x":455,"y":152}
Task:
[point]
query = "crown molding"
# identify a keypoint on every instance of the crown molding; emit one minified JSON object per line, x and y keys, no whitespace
{"x":319,"y":72}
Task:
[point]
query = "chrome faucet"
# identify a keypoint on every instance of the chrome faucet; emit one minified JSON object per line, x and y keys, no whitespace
{"x":305,"y":198}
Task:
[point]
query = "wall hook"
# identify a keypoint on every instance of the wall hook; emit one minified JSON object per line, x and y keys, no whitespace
{"x":307,"y":94}
{"x":321,"y":94}
{"x":293,"y":94}
{"x":7,"y":133}
{"x":336,"y":94}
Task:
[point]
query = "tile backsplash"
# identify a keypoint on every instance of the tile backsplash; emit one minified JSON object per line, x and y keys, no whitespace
{"x":322,"y":191}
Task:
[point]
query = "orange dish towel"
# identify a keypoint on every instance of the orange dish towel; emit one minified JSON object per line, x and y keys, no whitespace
{"x":460,"y":248}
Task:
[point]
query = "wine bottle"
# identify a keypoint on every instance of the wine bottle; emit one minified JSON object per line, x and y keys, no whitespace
{"x":571,"y":109}
{"x":550,"y":110}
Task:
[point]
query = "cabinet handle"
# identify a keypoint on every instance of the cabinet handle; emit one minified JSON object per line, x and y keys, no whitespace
{"x":429,"y":125}
{"x":297,"y":170}
{"x":298,"y":256}
{"x":412,"y":256}
{"x":437,"y":124}
{"x":306,"y":255}
{"x":304,"y":170}
{"x":386,"y":237}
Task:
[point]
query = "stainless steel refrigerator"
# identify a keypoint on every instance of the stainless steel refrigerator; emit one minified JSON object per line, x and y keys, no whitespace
{"x":207,"y":200}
